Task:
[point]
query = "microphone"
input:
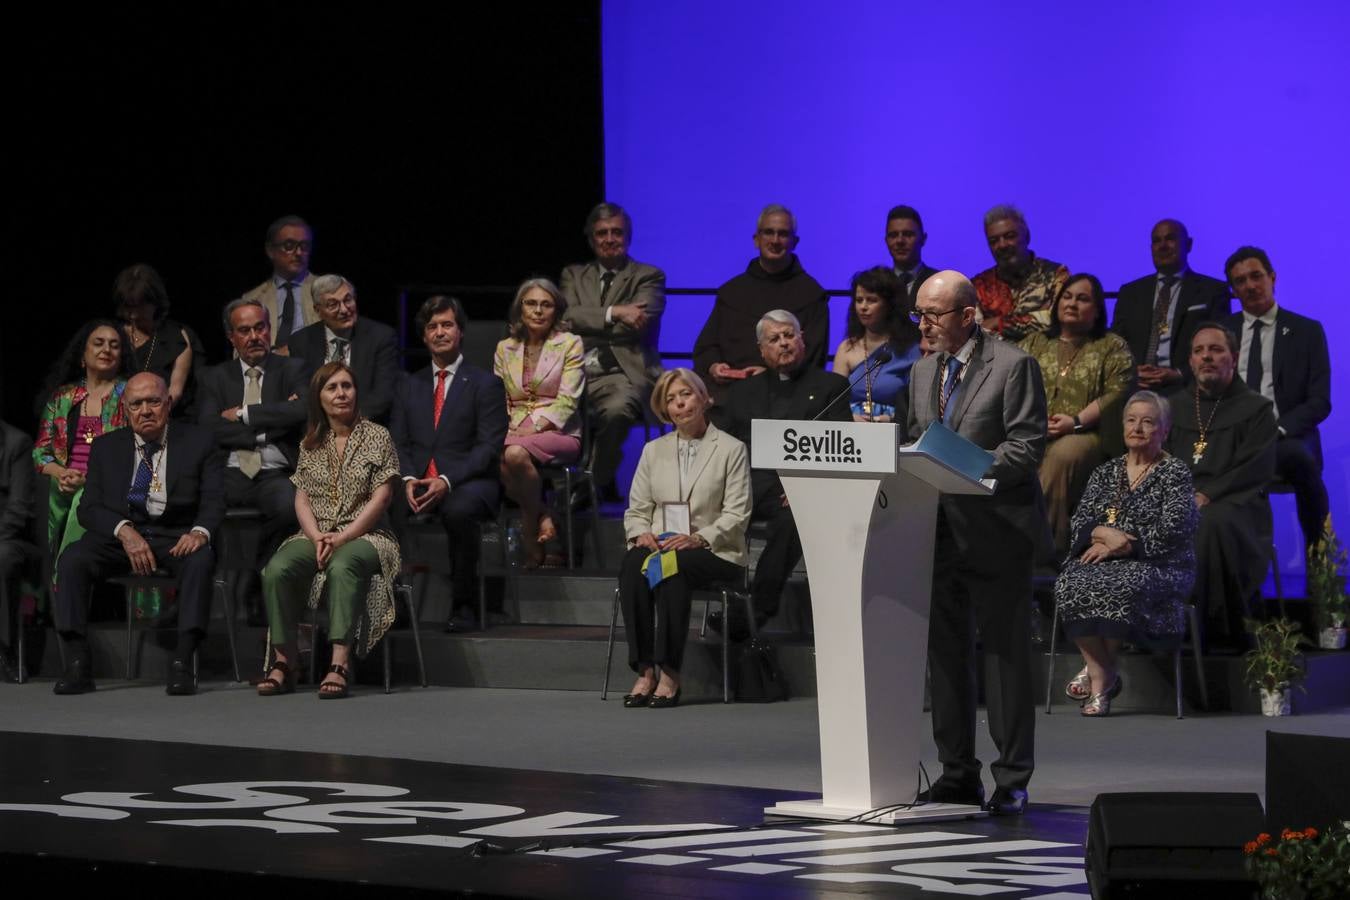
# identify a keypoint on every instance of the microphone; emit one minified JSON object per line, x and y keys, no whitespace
{"x":873,"y":362}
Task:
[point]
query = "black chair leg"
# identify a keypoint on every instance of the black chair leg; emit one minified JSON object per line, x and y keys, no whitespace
{"x":609,"y":646}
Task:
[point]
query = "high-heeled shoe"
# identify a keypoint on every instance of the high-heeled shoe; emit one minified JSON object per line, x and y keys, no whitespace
{"x":1098,"y":706}
{"x":1079,"y":687}
{"x":665,"y":702}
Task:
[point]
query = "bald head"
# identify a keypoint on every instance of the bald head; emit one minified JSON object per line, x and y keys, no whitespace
{"x":1170,"y":244}
{"x":946,"y":305}
{"x":147,"y":404}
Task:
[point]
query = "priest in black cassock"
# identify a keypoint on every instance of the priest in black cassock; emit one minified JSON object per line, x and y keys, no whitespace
{"x":1226,"y":433}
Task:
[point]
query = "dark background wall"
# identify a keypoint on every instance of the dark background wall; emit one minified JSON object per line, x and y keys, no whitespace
{"x":423,"y":147}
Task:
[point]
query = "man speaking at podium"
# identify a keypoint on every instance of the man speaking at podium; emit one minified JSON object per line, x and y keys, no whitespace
{"x":990,"y":393}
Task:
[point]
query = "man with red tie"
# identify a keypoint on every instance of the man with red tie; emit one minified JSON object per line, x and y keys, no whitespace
{"x":449,"y":425}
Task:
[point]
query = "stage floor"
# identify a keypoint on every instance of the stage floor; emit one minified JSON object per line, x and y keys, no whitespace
{"x":229,"y":820}
{"x":503,"y":759}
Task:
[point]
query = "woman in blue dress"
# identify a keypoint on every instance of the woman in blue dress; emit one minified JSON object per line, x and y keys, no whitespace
{"x":876,"y":320}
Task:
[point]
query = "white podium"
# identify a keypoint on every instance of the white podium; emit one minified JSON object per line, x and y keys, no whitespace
{"x":866,"y":512}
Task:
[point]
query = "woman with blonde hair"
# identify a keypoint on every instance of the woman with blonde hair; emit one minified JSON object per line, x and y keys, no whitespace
{"x":688,"y":509}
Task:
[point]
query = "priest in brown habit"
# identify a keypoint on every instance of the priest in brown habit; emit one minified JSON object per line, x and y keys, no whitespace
{"x":1226,"y":433}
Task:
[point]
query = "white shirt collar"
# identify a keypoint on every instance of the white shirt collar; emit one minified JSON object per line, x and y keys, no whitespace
{"x":964,"y":354}
{"x":453,"y":368}
{"x":280,"y":283}
{"x":1267,"y":319}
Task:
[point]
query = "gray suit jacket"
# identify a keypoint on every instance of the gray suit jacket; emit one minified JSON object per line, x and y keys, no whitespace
{"x":1001,"y":407}
{"x":637,"y":284}
{"x":266,"y":294}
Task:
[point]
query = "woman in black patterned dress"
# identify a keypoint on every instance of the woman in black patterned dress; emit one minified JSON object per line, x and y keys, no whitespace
{"x":1132,"y":560}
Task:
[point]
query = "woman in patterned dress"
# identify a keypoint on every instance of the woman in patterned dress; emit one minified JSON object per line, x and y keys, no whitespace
{"x":876,"y":320}
{"x":84,"y":400}
{"x":542,"y":369}
{"x":343,"y":484}
{"x":1133,"y":558}
{"x":1086,"y":371}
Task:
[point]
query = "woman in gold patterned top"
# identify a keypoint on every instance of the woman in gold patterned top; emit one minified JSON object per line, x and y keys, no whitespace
{"x":542,"y":369}
{"x":343,"y":485}
{"x":1086,"y":371}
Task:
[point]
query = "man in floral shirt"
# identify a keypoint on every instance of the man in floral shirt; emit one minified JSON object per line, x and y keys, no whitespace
{"x":1017,"y":292}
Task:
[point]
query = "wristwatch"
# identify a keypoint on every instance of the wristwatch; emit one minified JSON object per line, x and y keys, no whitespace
{"x":1078,"y":425}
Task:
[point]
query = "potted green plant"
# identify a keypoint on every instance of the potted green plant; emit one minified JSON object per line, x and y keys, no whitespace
{"x":1275,"y":664}
{"x":1326,"y":588}
{"x":1301,"y":865}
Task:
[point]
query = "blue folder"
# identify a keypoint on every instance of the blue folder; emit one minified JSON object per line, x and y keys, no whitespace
{"x":946,"y":445}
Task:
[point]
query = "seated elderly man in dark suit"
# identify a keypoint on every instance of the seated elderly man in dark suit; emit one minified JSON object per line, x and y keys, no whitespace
{"x":1283,"y":357}
{"x":255,"y":407}
{"x":789,"y":388}
{"x":152,"y":499}
{"x":614,"y":303}
{"x":16,"y":519}
{"x":449,"y":426}
{"x":1157,"y":314}
{"x":370,"y":348}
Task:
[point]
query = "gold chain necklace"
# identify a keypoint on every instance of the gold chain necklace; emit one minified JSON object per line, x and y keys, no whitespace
{"x":1201,"y":445}
{"x":1065,"y":367}
{"x":1125,"y":487}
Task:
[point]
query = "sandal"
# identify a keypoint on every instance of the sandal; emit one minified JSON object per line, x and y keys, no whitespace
{"x":1098,"y":706}
{"x":1080,"y":686}
{"x":270,"y":687}
{"x":331,"y":690}
{"x":548,"y":530}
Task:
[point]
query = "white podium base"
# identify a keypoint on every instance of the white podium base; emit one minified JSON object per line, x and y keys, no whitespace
{"x":928,"y":812}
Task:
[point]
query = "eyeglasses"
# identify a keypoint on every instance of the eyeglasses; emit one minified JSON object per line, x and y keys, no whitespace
{"x":918,"y":316}
{"x":335,"y":304}
{"x":292,"y":246}
{"x":538,"y":304}
{"x":781,"y":233}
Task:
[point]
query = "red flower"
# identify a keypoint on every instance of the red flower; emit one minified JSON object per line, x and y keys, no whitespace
{"x":1250,"y":847}
{"x":1262,"y":839}
{"x":1271,"y":851}
{"x":1310,"y":833}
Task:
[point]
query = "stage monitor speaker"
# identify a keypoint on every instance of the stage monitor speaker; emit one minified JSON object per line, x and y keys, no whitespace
{"x":1306,"y":781}
{"x":1157,"y":845}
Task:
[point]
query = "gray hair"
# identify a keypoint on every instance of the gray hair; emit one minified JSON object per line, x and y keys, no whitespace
{"x":607,"y":210}
{"x":328,"y":284}
{"x":1005,"y":211}
{"x":239,"y":303}
{"x":781,"y":316}
{"x":515,"y":324}
{"x":1159,"y":402}
{"x":776,"y":209}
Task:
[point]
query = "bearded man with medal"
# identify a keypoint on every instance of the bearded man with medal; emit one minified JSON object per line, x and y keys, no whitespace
{"x":1226,"y":433}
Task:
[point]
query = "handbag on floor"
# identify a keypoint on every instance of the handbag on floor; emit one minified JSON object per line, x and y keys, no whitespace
{"x":759,"y":677}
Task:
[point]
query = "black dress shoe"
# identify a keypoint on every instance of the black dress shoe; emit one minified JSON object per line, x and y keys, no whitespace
{"x":461,"y":621}
{"x":947,"y":790}
{"x":181,"y":682}
{"x":1007,"y":802}
{"x":77,"y":679}
{"x":665,"y":702}
{"x":636,"y":701}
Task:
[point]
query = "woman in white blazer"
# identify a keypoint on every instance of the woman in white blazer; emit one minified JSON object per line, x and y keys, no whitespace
{"x":688,"y":508}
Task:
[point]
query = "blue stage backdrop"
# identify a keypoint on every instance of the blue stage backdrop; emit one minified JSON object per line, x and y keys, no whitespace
{"x":1096,"y":121}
